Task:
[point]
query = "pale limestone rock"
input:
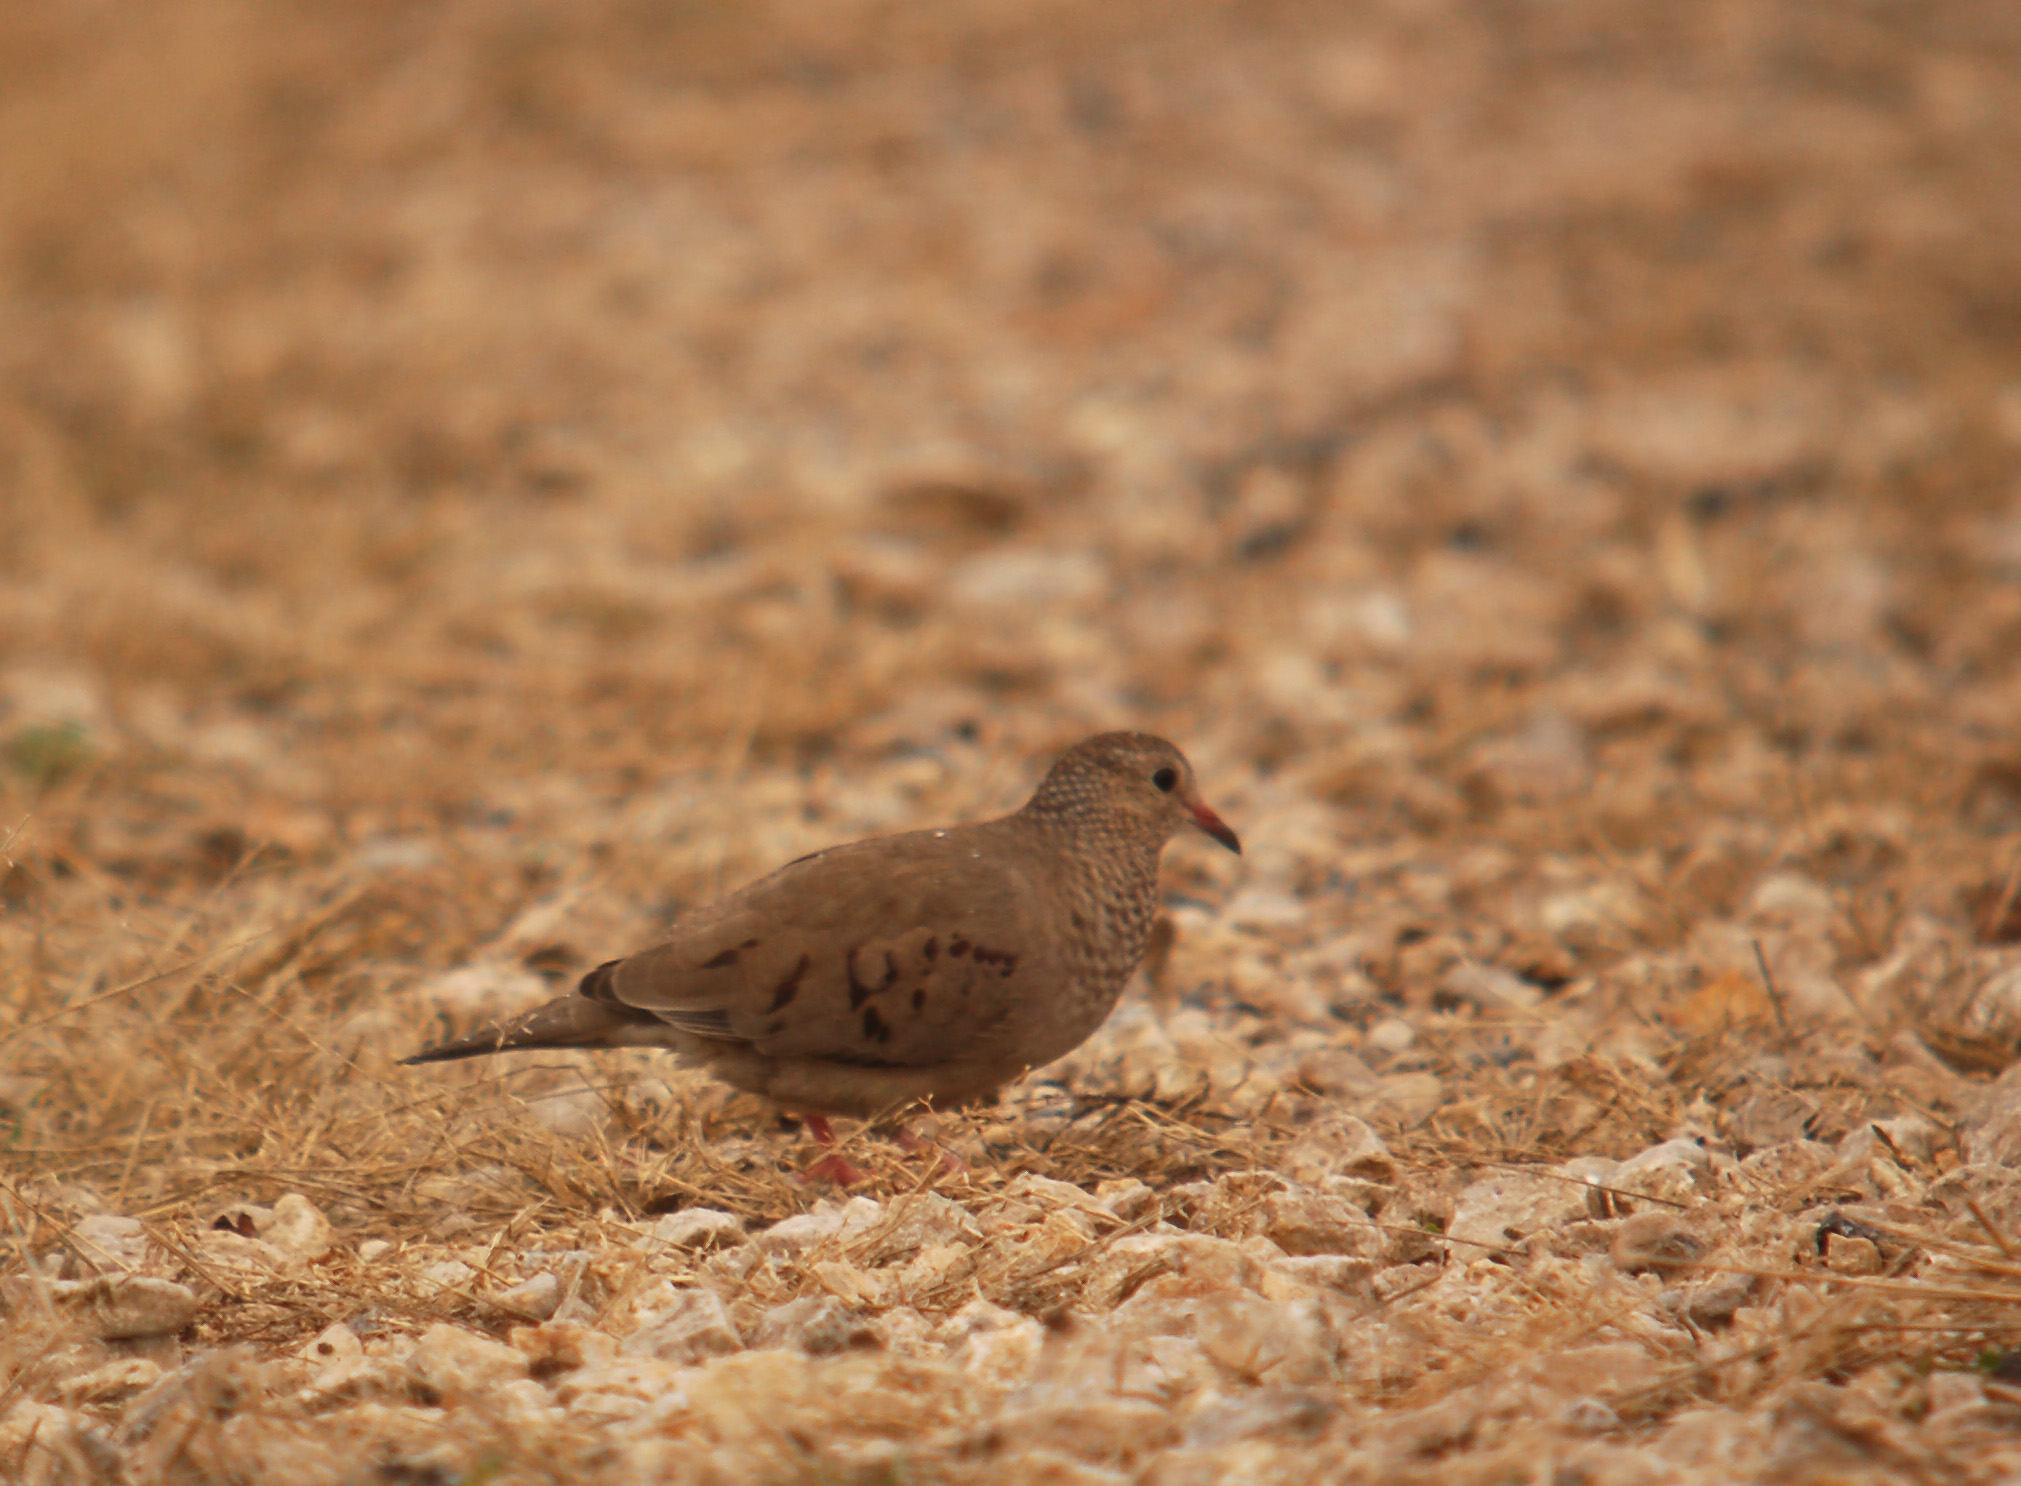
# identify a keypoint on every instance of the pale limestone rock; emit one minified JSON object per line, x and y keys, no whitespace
{"x":572,"y":1114}
{"x":521,"y":1403}
{"x":1266,"y":1412}
{"x":448,"y":1274}
{"x":1792,"y":900}
{"x":699,"y":1228}
{"x":1292,"y":1278}
{"x":914,"y":1221}
{"x":1675,"y":1171}
{"x":298,"y":1229}
{"x":1955,"y":1390}
{"x":1490,"y":988}
{"x":39,"y":1441}
{"x":122,"y":1307}
{"x":1390,"y":1036}
{"x":1596,"y":1174}
{"x":1085,"y":1425}
{"x":695,"y":1325}
{"x":459,"y":1364}
{"x":234,"y":1251}
{"x":639,"y":1381}
{"x":1992,"y":1008}
{"x":1125,"y":1264}
{"x":1589,"y":1416}
{"x":1790,"y":1164}
{"x":538,"y":1297}
{"x":1598,"y":1463}
{"x":1914,"y":1137}
{"x":1658,"y":1240}
{"x":1335,"y":1071}
{"x":1508,"y":1207}
{"x":1302,"y":1221}
{"x":1712,"y":1301}
{"x":1852,"y":1256}
{"x":111,"y":1382}
{"x":997,"y":1347}
{"x":364,"y":1377}
{"x":1257,"y":1339}
{"x":111,"y":1244}
{"x":1049,"y":1194}
{"x":1411,"y":1098}
{"x":853,"y":1286}
{"x":1991,"y":1134}
{"x":1040,"y":1467}
{"x":1027,"y":576}
{"x":826,"y":1224}
{"x":1126,"y":1197}
{"x":818,"y":1325}
{"x":331,"y":1343}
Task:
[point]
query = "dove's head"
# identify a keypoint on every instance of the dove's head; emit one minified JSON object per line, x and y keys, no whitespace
{"x":1130,"y":784}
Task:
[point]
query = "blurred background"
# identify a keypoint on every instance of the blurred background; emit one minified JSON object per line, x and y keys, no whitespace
{"x":618,"y":378}
{"x":583,"y":435}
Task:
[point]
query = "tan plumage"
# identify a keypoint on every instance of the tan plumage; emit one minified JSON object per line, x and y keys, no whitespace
{"x":933,"y":965}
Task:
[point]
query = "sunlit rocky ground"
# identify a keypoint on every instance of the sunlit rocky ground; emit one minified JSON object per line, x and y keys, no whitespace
{"x":476,"y":479}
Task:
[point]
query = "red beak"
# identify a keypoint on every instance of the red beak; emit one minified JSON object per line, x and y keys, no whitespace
{"x":1216,"y":827}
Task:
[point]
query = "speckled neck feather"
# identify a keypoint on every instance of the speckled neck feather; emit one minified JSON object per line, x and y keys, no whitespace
{"x":1078,"y":795}
{"x":1110,"y":863}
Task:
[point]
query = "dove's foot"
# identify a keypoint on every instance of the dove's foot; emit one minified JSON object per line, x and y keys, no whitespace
{"x":834,"y":1167}
{"x":913,"y":1143}
{"x":818,"y":1127}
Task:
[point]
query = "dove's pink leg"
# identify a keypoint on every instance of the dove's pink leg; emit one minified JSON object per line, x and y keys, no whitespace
{"x":910,"y":1140}
{"x":833,"y":1167}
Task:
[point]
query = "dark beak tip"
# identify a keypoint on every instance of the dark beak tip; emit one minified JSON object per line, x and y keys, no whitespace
{"x":1216,"y":827}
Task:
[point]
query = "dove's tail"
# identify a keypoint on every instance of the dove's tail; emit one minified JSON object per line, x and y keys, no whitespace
{"x":566,"y":1021}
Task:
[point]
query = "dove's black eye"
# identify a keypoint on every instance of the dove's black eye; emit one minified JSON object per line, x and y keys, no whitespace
{"x":1165,"y":779}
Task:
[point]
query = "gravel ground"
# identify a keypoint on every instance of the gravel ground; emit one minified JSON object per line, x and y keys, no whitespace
{"x":478,"y":479}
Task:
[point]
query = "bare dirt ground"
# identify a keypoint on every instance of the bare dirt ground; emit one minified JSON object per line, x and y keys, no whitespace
{"x":476,"y":478}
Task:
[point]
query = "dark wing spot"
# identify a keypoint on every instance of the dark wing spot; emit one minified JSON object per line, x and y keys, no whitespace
{"x":918,"y":999}
{"x":789,"y":987}
{"x":774,"y":1027}
{"x":890,"y":971}
{"x":873,"y":1026}
{"x":718,"y":962}
{"x":1001,"y":957}
{"x":1078,"y":921}
{"x":749,"y":944}
{"x":931,"y":949}
{"x":958,"y":948}
{"x":858,"y":991}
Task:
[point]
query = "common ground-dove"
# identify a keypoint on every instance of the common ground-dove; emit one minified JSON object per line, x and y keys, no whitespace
{"x":936,"y":965}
